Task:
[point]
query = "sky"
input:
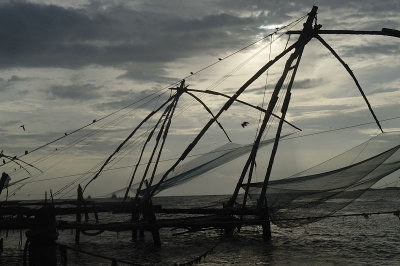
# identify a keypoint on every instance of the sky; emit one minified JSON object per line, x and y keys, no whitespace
{"x":65,"y":64}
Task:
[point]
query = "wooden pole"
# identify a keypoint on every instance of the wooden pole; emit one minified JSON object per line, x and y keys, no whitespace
{"x":304,"y":38}
{"x":78,"y":212}
{"x":224,"y":108}
{"x":242,"y":102}
{"x":135,"y":218}
{"x":210,"y":112}
{"x":150,"y":217}
{"x":383,"y":32}
{"x":142,"y":151}
{"x":352,"y":76}
{"x":127,"y":139}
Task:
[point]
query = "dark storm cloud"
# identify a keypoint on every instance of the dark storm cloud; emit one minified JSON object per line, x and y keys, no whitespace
{"x":74,"y":92}
{"x":37,"y":35}
{"x":367,"y":6}
{"x":46,"y":35}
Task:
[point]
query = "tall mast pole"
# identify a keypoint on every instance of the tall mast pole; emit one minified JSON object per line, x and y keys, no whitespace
{"x":303,"y":40}
{"x":226,"y":106}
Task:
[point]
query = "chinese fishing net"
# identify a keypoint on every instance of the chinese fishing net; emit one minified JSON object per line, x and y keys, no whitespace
{"x":198,"y":166}
{"x":330,"y":186}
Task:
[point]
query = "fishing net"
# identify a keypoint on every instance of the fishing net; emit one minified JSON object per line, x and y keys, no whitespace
{"x":328,"y":187}
{"x":199,"y":166}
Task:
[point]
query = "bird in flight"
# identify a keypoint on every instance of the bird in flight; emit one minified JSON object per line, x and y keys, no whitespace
{"x":23,"y":127}
{"x":244,"y":124}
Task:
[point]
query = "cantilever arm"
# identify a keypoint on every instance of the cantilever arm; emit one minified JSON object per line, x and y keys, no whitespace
{"x":224,"y":108}
{"x":243,"y":102}
{"x":352,"y":75}
{"x":127,"y":139}
{"x":15,"y":159}
{"x":383,"y":32}
{"x":210,"y":112}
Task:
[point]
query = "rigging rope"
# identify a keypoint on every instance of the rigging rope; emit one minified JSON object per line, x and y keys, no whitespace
{"x":163,"y":88}
{"x":199,"y":154}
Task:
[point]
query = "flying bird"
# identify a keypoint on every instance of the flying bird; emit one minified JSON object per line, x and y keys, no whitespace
{"x":244,"y":124}
{"x":23,"y":127}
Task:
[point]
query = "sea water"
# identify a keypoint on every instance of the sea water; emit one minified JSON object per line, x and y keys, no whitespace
{"x":373,"y":240}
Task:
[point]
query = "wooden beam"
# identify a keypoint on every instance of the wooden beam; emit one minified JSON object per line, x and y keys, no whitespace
{"x":243,"y":102}
{"x":226,"y":106}
{"x":353,"y":77}
{"x":127,"y":139}
{"x":383,"y":32}
{"x":210,"y":112}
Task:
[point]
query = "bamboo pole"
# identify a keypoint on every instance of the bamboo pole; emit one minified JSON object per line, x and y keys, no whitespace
{"x":224,"y":108}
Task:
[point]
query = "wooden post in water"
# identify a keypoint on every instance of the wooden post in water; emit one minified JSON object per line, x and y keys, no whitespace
{"x":150,"y":217}
{"x":42,"y":247}
{"x":135,"y":218}
{"x":79,"y":200}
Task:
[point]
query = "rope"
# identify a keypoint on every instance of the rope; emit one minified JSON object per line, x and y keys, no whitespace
{"x":164,"y":88}
{"x":341,"y":128}
{"x":113,"y":260}
{"x":85,"y":232}
{"x":199,"y":154}
{"x":364,"y":214}
{"x":87,"y":125}
{"x":249,"y":45}
{"x":239,"y":66}
{"x":198,"y":259}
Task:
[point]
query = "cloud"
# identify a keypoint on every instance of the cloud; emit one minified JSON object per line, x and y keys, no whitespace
{"x":47,"y":35}
{"x":74,"y":92}
{"x":146,"y":99}
{"x":77,"y":49}
{"x":387,"y":90}
{"x":370,"y":50}
{"x":147,"y":72}
{"x":308,"y":83}
{"x":5,"y":84}
{"x":10,"y":123}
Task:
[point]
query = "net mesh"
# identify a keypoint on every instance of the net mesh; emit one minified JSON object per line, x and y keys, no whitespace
{"x":328,"y":187}
{"x":199,"y":166}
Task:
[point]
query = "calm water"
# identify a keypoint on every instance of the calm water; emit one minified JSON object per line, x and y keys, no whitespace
{"x":333,"y":241}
